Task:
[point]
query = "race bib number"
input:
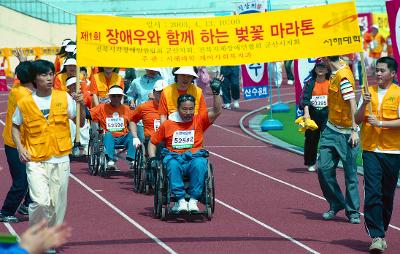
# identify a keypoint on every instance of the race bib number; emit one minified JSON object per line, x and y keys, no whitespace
{"x":320,"y":101}
{"x":183,"y":139}
{"x":115,"y":124}
{"x":157,"y":123}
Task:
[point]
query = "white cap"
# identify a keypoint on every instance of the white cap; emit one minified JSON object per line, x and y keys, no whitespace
{"x":116,"y":90}
{"x":71,"y":81}
{"x":375,"y":26}
{"x":69,"y":61}
{"x":65,"y":42}
{"x":187,"y":70}
{"x":160,"y":85}
{"x":70,"y":48}
{"x":153,"y":69}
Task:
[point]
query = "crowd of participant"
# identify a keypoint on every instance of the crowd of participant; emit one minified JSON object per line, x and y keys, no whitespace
{"x":44,"y":103}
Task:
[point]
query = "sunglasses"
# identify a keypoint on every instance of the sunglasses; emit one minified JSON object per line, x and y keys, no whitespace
{"x":185,"y":97}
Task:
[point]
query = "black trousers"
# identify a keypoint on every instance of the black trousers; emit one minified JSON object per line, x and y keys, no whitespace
{"x":19,"y":188}
{"x":381,"y":172}
{"x":312,"y":137}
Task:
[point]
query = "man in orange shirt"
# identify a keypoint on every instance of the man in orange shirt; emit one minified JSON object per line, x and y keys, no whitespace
{"x":183,"y":138}
{"x":114,"y":118}
{"x":148,"y":111}
{"x":184,"y":78}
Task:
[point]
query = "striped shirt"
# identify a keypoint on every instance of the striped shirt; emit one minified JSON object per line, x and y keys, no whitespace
{"x":347,"y":89}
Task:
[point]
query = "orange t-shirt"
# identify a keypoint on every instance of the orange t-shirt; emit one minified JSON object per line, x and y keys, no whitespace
{"x":113,"y":119}
{"x":163,"y":108}
{"x":148,"y":112}
{"x":181,"y":137}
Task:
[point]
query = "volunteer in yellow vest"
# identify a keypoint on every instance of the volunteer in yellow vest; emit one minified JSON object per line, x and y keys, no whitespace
{"x":68,"y":70}
{"x":47,"y":143}
{"x":101,"y":83}
{"x":380,"y":137}
{"x":184,"y":77}
{"x":340,"y":141}
{"x":19,"y":188}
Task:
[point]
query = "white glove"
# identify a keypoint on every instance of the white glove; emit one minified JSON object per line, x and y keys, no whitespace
{"x":136,"y":142}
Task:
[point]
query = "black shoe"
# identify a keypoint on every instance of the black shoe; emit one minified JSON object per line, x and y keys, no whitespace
{"x":8,"y":219}
{"x":23,"y":210}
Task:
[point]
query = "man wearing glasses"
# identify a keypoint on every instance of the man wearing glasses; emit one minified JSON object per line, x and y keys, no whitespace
{"x":183,"y":135}
{"x":113,"y":117}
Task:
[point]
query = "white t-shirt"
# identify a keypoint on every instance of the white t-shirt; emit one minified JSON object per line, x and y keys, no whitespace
{"x":381,"y":95}
{"x":43,"y":104}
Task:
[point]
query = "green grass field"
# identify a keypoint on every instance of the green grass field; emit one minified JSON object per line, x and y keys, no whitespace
{"x":290,"y":133}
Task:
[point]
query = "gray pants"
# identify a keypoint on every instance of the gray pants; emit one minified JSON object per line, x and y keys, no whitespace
{"x":335,"y":146}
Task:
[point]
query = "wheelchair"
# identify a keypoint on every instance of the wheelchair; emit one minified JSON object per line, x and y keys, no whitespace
{"x":97,"y":162}
{"x":163,"y":196}
{"x":143,"y":176}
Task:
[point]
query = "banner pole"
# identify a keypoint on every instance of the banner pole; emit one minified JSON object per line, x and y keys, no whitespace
{"x":364,"y":85}
{"x":77,"y":90}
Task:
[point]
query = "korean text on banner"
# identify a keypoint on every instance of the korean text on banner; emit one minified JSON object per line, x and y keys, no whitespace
{"x":230,"y":40}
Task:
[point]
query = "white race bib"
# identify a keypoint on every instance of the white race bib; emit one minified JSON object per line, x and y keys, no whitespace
{"x":320,"y":101}
{"x":183,"y":139}
{"x":115,"y":123}
{"x":156,"y":123}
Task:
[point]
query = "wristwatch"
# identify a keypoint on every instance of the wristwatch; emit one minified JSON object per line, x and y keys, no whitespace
{"x":357,"y":128}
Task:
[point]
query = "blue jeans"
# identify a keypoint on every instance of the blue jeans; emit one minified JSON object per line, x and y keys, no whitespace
{"x":110,"y":141}
{"x":19,"y":188}
{"x":186,"y":164}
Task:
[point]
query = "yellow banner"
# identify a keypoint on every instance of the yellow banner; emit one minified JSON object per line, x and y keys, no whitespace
{"x":230,"y":40}
{"x":37,"y":51}
{"x":381,"y":19}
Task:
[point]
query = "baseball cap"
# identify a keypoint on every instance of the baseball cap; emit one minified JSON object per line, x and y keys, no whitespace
{"x":160,"y":85}
{"x":65,"y":42}
{"x":70,"y":48}
{"x":375,"y":26}
{"x":116,"y":90}
{"x":70,"y":81}
{"x":187,"y":70}
{"x":69,"y":61}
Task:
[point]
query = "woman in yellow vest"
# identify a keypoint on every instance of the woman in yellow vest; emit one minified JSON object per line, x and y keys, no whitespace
{"x":380,"y":137}
{"x":101,"y":83}
{"x":315,"y":108}
{"x":184,"y":77}
{"x":68,"y":70}
{"x":19,"y":188}
{"x":46,"y":146}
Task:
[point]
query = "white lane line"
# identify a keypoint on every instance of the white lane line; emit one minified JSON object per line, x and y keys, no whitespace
{"x":235,"y":146}
{"x":3,"y":113}
{"x":242,"y":135}
{"x":11,"y":230}
{"x":267,"y":227}
{"x":280,"y":181}
{"x":126,"y":217}
{"x":3,"y":123}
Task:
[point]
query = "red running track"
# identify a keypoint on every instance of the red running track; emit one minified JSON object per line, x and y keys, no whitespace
{"x":267,"y":202}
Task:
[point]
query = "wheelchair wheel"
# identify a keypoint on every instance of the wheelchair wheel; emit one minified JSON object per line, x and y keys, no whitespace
{"x":210,"y":192}
{"x":158,"y":195}
{"x":92,"y":162}
{"x":138,"y":170}
{"x":102,"y":164}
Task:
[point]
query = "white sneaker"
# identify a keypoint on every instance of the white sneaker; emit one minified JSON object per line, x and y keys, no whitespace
{"x":236,"y":104}
{"x":290,"y":82}
{"x":111,"y":165}
{"x":311,"y":168}
{"x":192,"y":205}
{"x":227,"y":106}
{"x":180,"y":206}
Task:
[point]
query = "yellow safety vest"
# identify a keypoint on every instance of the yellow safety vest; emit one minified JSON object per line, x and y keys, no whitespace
{"x":382,"y":138}
{"x":171,"y":95}
{"x":46,"y":138}
{"x":16,"y":93}
{"x":339,"y":109}
{"x":103,"y":86}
